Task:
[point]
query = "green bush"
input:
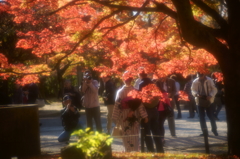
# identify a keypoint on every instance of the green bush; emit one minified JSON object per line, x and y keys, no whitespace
{"x":93,"y":144}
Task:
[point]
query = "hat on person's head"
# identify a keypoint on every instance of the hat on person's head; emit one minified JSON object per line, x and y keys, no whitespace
{"x":66,"y":97}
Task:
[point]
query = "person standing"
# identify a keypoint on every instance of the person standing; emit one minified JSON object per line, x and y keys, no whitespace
{"x":123,"y":111}
{"x":191,"y":102}
{"x":168,"y":85}
{"x":176,"y":96}
{"x":109,"y":99}
{"x":204,"y":91}
{"x":17,"y":95}
{"x":32,"y":93}
{"x":89,"y":89}
{"x":69,"y":90}
{"x":152,"y":127}
{"x":163,"y":113}
{"x":70,"y":119}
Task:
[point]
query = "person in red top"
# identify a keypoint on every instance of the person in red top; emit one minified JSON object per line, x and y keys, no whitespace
{"x":163,"y":114}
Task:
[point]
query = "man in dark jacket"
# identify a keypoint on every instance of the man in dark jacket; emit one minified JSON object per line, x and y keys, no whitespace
{"x":168,"y":85}
{"x":109,"y":99}
{"x":70,"y":119}
{"x":152,"y":127}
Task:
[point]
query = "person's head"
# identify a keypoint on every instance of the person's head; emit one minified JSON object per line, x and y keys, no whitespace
{"x":106,"y":78}
{"x":174,"y":77}
{"x":67,"y":100}
{"x":189,"y":78}
{"x":213,"y":76}
{"x":87,"y":76}
{"x":141,"y":73}
{"x":67,"y":84}
{"x":201,"y":76}
{"x":127,"y":78}
{"x":88,"y":73}
{"x":163,"y":79}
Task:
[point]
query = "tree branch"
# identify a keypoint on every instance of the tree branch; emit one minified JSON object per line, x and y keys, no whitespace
{"x":160,"y":7}
{"x":92,"y":30}
{"x":130,"y":19}
{"x":211,"y":12}
{"x":65,"y":6}
{"x":195,"y":33}
{"x":31,"y":73}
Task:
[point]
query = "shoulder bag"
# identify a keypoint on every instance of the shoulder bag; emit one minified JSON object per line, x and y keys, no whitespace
{"x":117,"y":131}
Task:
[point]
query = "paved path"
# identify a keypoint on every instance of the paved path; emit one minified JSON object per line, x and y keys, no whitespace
{"x":187,"y":130}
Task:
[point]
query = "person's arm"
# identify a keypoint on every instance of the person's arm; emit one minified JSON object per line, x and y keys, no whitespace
{"x":143,"y":113}
{"x":174,"y":89}
{"x":83,"y":87}
{"x":93,"y":86}
{"x":213,"y":89}
{"x":185,"y":88}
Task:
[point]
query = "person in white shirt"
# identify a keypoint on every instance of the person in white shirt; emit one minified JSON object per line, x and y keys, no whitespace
{"x":204,"y":91}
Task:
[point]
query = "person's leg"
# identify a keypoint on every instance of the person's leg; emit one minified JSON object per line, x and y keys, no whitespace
{"x":171,"y":121}
{"x":80,"y":125}
{"x":64,"y":136}
{"x":89,"y":118}
{"x":161,"y":119}
{"x":201,"y":111}
{"x":97,"y":118}
{"x":131,"y":139}
{"x":210,"y":114}
{"x":218,"y":107}
{"x":171,"y":125}
{"x":155,"y":129}
{"x":191,"y":108}
{"x":147,"y":133}
{"x":109,"y":117}
{"x":176,"y":99}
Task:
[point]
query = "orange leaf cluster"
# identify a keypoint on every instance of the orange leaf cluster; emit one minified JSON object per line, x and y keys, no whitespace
{"x":148,"y":92}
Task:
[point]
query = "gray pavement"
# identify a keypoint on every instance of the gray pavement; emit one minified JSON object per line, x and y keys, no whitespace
{"x":187,"y":130}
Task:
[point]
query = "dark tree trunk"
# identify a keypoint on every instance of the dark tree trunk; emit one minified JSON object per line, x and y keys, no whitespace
{"x":231,"y":72}
{"x":60,"y":83}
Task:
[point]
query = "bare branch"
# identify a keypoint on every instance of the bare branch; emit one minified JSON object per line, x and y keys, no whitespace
{"x":121,"y":24}
{"x":160,"y":7}
{"x":65,"y":6}
{"x":31,"y":73}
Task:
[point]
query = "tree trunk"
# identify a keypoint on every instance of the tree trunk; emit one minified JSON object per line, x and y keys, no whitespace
{"x":231,"y":72}
{"x":60,"y":83}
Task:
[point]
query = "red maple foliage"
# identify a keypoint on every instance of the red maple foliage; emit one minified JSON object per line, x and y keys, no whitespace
{"x":62,"y":30}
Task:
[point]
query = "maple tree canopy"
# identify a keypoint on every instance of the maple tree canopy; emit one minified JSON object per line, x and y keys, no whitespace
{"x":63,"y":31}
{"x":114,"y":36}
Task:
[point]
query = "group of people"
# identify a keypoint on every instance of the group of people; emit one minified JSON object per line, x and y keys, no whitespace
{"x":26,"y":94}
{"x":130,"y":114}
